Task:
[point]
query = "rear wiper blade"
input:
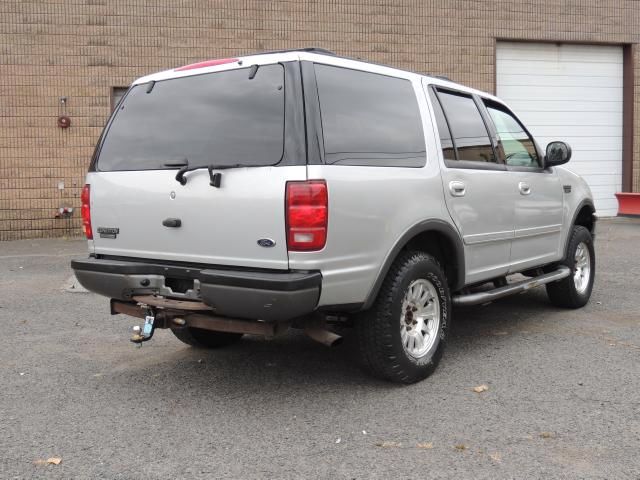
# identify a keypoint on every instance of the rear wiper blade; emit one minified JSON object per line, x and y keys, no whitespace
{"x":215,"y":178}
{"x":186,"y":168}
{"x":180,"y":175}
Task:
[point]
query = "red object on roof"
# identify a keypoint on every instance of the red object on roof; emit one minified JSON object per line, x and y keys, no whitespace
{"x":206,"y":63}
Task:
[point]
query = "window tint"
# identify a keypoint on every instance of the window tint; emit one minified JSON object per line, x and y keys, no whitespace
{"x":446,"y":142}
{"x":513,"y":142}
{"x":369,"y":119}
{"x":469,"y":131}
{"x":217,"y":118}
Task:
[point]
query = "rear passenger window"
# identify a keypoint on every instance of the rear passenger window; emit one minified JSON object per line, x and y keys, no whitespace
{"x":448,"y":150}
{"x":467,"y":127}
{"x":369,"y":119}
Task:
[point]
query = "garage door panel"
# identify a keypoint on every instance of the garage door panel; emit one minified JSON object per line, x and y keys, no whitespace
{"x":547,"y":106}
{"x":578,"y":131}
{"x":562,"y":93}
{"x":572,"y":118}
{"x":553,"y":53}
{"x":597,"y":168}
{"x":570,"y":68}
{"x":572,"y":93}
{"x":557,"y":80}
{"x":601,"y":191}
{"x":594,"y":156}
{"x":599,"y":179}
{"x":583,"y":144}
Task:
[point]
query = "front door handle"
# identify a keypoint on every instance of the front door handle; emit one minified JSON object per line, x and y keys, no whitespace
{"x":457,"y":188}
{"x":525,"y":189}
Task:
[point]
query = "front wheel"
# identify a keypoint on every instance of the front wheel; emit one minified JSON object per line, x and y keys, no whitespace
{"x":402,"y":337}
{"x":575,"y":290}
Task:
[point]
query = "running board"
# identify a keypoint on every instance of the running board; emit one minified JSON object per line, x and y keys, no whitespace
{"x":479,"y":298}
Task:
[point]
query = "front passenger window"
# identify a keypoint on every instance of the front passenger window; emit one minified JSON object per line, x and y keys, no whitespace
{"x":516,"y":144}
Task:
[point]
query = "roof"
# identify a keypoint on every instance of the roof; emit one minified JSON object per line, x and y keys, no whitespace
{"x":307,"y":53}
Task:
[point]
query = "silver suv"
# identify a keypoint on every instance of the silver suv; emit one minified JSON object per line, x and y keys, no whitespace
{"x":302,"y":189}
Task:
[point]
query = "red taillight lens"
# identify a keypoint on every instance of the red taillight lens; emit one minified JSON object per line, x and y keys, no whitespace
{"x":85,"y":197}
{"x":307,"y":215}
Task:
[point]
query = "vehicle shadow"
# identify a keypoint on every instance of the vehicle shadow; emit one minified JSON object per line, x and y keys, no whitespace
{"x":293,"y":361}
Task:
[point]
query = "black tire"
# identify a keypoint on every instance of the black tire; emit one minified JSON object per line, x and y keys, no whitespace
{"x":196,"y":337}
{"x":565,"y":293}
{"x":379,"y":329}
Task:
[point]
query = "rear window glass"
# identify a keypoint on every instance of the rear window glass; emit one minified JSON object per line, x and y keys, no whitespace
{"x":221,"y":118}
{"x":369,"y":119}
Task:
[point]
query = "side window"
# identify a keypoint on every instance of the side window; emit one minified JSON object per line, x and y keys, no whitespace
{"x":448,"y":150}
{"x":513,"y":141}
{"x":369,"y":119}
{"x":469,"y":132}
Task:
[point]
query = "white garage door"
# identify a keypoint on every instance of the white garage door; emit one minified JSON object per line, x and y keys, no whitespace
{"x":571,"y":93}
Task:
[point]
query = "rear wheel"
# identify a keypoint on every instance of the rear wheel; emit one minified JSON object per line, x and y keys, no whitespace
{"x":402,"y":337}
{"x":575,"y":290}
{"x":197,"y":337}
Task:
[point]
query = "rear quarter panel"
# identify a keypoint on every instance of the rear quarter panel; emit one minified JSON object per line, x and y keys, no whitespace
{"x":370,"y":208}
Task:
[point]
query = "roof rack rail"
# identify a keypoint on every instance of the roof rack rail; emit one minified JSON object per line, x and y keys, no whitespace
{"x":321,"y":51}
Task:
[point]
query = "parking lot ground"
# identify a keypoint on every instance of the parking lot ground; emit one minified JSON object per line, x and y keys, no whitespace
{"x":563,"y":397}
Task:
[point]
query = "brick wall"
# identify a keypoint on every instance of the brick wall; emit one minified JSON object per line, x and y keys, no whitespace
{"x":80,"y":49}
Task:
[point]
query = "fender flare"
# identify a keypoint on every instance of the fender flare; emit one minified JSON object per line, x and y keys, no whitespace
{"x":581,"y":205}
{"x":432,"y":225}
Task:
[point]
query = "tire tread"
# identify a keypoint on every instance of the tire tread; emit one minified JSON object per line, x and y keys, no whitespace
{"x":374,"y":327}
{"x":563,"y":293}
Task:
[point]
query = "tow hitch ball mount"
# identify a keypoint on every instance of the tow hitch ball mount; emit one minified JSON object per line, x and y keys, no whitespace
{"x":144,"y":333}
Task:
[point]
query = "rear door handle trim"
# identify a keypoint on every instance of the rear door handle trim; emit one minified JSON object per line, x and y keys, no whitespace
{"x":457,"y":188}
{"x":524,"y":188}
{"x":172,"y":222}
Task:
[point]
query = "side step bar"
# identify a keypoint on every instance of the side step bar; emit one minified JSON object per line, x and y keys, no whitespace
{"x":479,"y":298}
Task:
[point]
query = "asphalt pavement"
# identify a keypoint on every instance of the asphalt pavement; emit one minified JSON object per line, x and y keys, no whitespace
{"x":563,"y":396}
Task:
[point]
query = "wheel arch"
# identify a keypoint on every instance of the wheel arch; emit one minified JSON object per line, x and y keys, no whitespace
{"x":436,"y":237}
{"x":584,"y":215}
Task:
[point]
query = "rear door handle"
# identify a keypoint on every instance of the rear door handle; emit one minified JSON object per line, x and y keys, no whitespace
{"x":525,"y":189}
{"x":457,"y":188}
{"x":172,"y":222}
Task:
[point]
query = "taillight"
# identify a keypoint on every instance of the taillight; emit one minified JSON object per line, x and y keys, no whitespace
{"x":85,"y":197}
{"x":307,"y":215}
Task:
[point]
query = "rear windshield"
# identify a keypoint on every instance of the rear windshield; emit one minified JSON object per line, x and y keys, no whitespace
{"x":222,"y":118}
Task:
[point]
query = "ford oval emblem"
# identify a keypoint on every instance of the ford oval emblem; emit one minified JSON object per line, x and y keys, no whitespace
{"x":266,"y":242}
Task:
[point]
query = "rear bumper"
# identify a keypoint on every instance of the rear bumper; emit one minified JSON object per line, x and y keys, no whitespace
{"x":255,"y":295}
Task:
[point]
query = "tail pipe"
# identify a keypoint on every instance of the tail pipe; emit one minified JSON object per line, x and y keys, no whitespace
{"x":322,"y":335}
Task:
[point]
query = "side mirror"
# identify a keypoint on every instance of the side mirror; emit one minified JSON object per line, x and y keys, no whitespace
{"x":558,"y":153}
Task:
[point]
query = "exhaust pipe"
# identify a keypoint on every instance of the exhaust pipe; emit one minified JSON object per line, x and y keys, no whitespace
{"x":322,"y":335}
